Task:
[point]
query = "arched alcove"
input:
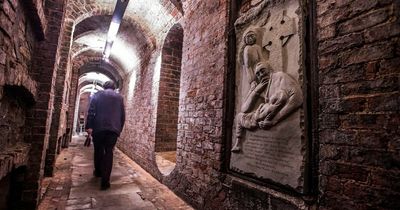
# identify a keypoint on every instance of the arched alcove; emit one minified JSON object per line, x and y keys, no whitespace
{"x":16,"y":102}
{"x":168,"y":100}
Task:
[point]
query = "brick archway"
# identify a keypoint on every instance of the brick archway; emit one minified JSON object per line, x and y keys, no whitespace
{"x":168,"y":97}
{"x":78,"y":64}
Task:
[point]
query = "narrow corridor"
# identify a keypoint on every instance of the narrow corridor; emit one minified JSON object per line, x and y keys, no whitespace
{"x":229,"y":104}
{"x":74,"y":186}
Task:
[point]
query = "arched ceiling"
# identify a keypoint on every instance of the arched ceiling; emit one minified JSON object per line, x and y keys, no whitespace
{"x":92,"y":78}
{"x":90,"y":88}
{"x":92,"y":24}
{"x":144,"y":25}
{"x":103,"y":68}
{"x":129,"y":44}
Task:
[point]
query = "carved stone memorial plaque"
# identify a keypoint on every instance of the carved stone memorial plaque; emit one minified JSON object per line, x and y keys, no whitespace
{"x":268,"y":134}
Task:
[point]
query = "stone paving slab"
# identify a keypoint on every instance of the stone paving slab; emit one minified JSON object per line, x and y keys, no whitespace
{"x":74,"y":187}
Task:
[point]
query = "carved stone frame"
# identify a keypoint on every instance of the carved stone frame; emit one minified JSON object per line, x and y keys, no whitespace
{"x":310,"y":104}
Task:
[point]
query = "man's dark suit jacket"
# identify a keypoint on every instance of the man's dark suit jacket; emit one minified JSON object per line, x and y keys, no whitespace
{"x":106,"y":112}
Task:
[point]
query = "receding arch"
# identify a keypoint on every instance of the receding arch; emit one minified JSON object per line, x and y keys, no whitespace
{"x":168,"y":100}
{"x":99,"y":22}
{"x":97,"y":16}
{"x":104,"y":68}
{"x":88,"y":62}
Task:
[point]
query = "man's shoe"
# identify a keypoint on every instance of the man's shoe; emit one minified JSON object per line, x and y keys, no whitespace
{"x":96,"y":173}
{"x":105,"y":186}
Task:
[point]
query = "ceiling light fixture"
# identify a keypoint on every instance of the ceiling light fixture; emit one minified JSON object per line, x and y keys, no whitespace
{"x":119,"y":11}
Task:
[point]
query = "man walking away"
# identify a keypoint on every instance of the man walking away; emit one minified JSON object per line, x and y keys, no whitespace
{"x":105,"y":120}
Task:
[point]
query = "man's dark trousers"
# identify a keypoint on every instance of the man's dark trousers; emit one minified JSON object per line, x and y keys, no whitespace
{"x":104,"y":142}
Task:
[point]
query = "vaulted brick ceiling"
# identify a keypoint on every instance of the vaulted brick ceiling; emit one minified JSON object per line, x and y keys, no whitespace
{"x":91,"y":24}
{"x":90,"y":36}
{"x":143,"y":27}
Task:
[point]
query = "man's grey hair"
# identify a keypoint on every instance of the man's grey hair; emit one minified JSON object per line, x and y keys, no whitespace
{"x":109,"y":85}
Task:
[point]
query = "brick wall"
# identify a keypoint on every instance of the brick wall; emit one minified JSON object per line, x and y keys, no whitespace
{"x":358,"y":61}
{"x":141,"y":94}
{"x":358,"y":106}
{"x":62,"y":70}
{"x":12,"y":122}
{"x":137,"y":137}
{"x":14,"y":103}
{"x":168,"y":98}
{"x":201,"y":103}
{"x":39,"y":118}
{"x":26,"y":66}
{"x":17,"y":88}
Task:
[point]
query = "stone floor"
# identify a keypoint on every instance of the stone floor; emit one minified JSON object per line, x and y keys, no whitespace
{"x":74,"y":187}
{"x":166,"y":161}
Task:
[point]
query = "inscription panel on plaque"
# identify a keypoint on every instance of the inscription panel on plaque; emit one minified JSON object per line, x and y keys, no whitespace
{"x":268,"y":134}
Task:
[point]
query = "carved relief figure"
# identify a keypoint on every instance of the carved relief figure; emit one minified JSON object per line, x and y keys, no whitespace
{"x":281,"y":95}
{"x":269,"y":129}
{"x":252,"y":54}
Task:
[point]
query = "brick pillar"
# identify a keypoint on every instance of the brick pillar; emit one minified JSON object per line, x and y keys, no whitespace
{"x":58,"y":103}
{"x":72,"y":102}
{"x":39,"y":118}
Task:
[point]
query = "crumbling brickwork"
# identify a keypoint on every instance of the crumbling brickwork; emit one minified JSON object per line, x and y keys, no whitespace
{"x":358,"y":63}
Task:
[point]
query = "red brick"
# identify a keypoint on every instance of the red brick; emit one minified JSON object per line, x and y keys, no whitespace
{"x":380,"y":85}
{"x":328,"y":121}
{"x":373,"y":139}
{"x":389,"y":66}
{"x":334,"y":185}
{"x":341,"y":43}
{"x":332,"y":17}
{"x":343,"y":75}
{"x":386,"y":179}
{"x":362,"y":121}
{"x":372,"y":157}
{"x":325,"y":62}
{"x":385,"y":102}
{"x":391,"y":29}
{"x":338,"y":137}
{"x":324,"y":6}
{"x":368,"y":53}
{"x":329,"y":92}
{"x":364,"y":21}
